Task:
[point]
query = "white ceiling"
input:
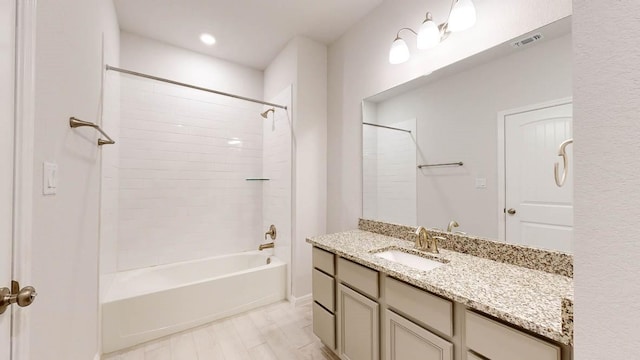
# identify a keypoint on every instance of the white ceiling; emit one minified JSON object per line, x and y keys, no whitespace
{"x":248,"y":32}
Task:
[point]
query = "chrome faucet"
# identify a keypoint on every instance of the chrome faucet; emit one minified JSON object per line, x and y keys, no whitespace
{"x":426,"y":242}
{"x":451,"y":225}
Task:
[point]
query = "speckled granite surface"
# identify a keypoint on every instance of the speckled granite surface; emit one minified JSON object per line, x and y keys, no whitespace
{"x":567,"y":319}
{"x":528,"y":298}
{"x":554,"y":262}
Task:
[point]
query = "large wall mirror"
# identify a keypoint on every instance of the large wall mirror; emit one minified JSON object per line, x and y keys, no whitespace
{"x":475,"y":143}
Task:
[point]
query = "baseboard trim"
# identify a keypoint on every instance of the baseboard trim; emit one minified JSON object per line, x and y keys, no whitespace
{"x":302,"y":300}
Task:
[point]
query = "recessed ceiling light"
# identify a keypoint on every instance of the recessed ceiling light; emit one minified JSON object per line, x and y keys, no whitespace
{"x":207,"y":39}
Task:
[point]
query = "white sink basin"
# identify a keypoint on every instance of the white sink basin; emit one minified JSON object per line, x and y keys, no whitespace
{"x":411,"y":260}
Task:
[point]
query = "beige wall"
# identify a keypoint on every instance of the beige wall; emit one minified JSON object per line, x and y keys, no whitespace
{"x":303,"y":64}
{"x":64,"y":319}
{"x":607,"y":200}
{"x":359,"y":67}
{"x":157,"y":58}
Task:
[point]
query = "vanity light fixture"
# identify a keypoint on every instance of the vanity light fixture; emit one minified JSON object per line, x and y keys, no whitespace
{"x":461,"y":17}
{"x":399,"y":52}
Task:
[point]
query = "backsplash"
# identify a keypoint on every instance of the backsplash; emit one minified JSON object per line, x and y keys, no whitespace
{"x":537,"y":259}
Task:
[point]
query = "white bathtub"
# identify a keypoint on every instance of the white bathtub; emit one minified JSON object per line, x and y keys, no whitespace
{"x":145,"y":304}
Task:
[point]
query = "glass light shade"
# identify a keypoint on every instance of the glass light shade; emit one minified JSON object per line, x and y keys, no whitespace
{"x":207,"y":39}
{"x":463,"y":16}
{"x":399,"y":52}
{"x":429,"y":35}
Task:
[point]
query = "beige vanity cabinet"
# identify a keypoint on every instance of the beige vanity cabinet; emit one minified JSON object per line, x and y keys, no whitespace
{"x":358,"y":322}
{"x":496,"y":341}
{"x":358,"y":314}
{"x":405,"y":340}
{"x":416,"y":339}
{"x":323,"y":290}
{"x":364,"y":315}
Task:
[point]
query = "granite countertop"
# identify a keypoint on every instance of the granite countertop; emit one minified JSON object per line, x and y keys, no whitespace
{"x":531,"y":299}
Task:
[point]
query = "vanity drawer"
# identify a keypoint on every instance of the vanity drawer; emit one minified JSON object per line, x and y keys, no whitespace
{"x":500,"y":342}
{"x":427,"y":309}
{"x":323,"y":260}
{"x":359,"y":277}
{"x":324,"y":326}
{"x":324,"y":290}
{"x":472,"y":356}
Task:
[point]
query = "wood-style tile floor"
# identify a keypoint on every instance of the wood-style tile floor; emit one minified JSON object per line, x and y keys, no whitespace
{"x":279,"y":331}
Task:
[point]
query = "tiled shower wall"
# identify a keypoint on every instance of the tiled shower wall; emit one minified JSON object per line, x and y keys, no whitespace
{"x":110,"y":168}
{"x":184,"y":159}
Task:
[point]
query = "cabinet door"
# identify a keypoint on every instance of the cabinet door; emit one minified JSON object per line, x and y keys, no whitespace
{"x":408,"y":341}
{"x":358,"y":326}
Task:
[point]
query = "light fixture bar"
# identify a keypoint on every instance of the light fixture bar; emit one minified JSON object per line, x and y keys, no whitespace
{"x":462,"y":16}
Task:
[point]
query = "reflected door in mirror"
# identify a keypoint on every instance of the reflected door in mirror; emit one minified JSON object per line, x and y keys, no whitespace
{"x":538,"y":213}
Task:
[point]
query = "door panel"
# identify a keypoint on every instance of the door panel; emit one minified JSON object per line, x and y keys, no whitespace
{"x":7,"y":16}
{"x":358,"y":334}
{"x":407,"y":341}
{"x":543,"y":212}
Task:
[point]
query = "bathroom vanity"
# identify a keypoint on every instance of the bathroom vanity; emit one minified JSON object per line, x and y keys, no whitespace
{"x":366,"y":307}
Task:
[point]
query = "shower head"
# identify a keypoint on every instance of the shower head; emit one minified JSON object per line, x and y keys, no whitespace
{"x":266,"y":113}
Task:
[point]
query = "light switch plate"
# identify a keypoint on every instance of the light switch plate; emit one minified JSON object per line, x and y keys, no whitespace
{"x":49,"y":178}
{"x":481,"y":183}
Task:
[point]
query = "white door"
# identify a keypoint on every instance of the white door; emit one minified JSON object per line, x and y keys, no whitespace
{"x":7,"y":16}
{"x":538,"y":213}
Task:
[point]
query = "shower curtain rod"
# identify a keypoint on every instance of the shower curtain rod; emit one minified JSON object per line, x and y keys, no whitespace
{"x":135,"y":73}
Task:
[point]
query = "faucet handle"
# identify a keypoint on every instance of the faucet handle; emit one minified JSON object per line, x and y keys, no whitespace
{"x":272,"y":232}
{"x":435,"y":243}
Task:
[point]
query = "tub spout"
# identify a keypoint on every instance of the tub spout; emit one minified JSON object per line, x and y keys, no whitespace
{"x":266,"y":246}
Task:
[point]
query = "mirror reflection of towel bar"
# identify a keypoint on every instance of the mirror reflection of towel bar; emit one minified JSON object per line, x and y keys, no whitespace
{"x":443,"y":164}
{"x":74,"y":123}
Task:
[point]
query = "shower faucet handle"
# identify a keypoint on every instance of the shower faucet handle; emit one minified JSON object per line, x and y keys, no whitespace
{"x":272,"y":232}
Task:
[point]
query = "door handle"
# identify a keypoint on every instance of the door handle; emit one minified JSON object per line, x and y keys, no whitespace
{"x":511,"y":211}
{"x":23,"y":297}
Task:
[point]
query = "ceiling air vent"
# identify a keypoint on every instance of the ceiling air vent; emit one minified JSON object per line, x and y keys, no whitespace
{"x":527,"y":41}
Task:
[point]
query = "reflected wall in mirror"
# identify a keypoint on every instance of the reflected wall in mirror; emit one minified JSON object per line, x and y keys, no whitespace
{"x":502,"y":114}
{"x":389,"y":175}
